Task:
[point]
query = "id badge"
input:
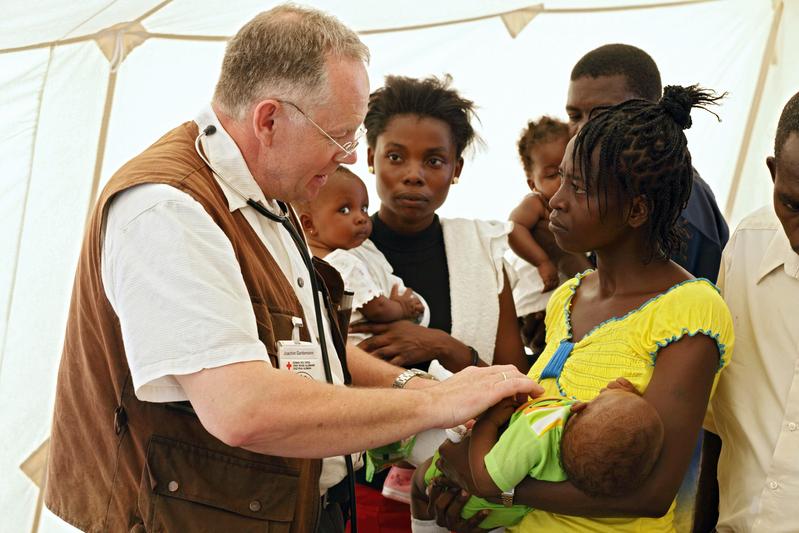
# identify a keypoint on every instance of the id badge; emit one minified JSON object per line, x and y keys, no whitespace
{"x":300,"y":357}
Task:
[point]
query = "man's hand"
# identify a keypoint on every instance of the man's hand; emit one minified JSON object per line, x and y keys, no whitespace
{"x":401,"y":343}
{"x":473,"y":390}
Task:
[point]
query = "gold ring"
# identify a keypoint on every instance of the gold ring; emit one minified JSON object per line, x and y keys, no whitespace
{"x":504,"y":377}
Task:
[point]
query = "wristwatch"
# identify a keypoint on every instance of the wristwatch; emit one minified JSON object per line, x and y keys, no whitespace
{"x":507,"y":497}
{"x":408,"y":375}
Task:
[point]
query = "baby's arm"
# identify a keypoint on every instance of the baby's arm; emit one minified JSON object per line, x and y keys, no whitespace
{"x":395,"y":307}
{"x":679,"y":389}
{"x":525,"y":217}
{"x":485,"y":434}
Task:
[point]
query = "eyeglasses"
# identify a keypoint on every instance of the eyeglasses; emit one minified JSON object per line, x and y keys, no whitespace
{"x":348,"y":147}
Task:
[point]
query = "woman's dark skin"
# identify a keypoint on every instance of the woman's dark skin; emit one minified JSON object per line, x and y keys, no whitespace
{"x":680,"y":385}
{"x":415,"y":161}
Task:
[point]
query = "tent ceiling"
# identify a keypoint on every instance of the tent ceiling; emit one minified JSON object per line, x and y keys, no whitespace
{"x":60,"y":102}
{"x":54,"y":21}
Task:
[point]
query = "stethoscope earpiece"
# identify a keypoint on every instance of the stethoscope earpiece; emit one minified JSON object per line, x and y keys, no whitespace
{"x":285,"y":221}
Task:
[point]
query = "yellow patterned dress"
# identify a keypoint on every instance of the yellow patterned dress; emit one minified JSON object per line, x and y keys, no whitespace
{"x":627,"y":347}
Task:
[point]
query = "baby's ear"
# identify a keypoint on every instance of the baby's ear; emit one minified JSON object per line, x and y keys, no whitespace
{"x":307,"y":224}
{"x":578,"y":407}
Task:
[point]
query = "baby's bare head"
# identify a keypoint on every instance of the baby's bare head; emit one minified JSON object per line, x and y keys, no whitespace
{"x":610,"y":446}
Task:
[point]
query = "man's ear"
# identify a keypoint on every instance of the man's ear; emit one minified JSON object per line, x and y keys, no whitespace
{"x":639,"y":211}
{"x":370,"y":157}
{"x":263,"y":120}
{"x":771,"y":163}
{"x":306,"y":221}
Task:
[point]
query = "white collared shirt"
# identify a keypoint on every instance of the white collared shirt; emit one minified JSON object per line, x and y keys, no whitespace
{"x":755,"y":410}
{"x":172,"y":278}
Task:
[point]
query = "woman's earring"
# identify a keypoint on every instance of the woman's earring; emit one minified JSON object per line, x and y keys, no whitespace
{"x":455,"y":180}
{"x":371,"y":169}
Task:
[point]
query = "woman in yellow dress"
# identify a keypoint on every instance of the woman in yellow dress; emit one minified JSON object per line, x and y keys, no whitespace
{"x":626,"y":177}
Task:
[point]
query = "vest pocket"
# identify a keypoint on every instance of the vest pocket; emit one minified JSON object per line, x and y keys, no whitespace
{"x":274,"y":324}
{"x":188,"y":488}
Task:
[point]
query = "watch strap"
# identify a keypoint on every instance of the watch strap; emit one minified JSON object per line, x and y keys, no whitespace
{"x":408,"y":375}
{"x":507,"y":497}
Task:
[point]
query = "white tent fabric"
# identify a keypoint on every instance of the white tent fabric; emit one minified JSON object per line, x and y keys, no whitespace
{"x":86,"y":85}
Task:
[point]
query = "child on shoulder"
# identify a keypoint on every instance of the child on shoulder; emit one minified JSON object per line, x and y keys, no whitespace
{"x":541,"y":148}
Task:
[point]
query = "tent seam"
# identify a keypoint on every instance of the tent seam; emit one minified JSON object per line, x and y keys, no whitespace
{"x":23,"y":216}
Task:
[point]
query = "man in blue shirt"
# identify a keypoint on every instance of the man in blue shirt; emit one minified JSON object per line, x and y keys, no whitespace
{"x":615,"y":73}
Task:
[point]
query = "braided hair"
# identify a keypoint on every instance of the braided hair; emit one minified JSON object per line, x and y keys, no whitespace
{"x":641,"y":146}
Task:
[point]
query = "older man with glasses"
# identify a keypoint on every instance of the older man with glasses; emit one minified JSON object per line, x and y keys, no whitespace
{"x":348,"y":147}
{"x":177,"y":407}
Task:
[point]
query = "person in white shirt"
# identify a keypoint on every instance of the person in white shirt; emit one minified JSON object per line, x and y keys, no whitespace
{"x":750,"y":466}
{"x":180,"y":306}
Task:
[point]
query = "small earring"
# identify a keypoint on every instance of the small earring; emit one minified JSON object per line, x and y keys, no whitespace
{"x":371,"y":169}
{"x":455,"y":180}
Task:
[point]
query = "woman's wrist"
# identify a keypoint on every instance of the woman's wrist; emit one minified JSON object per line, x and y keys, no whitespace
{"x":454,"y":354}
{"x":475,"y":356}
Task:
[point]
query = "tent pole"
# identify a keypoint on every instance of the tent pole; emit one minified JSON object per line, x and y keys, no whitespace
{"x":109,"y":102}
{"x":768,"y":56}
{"x":101,"y":141}
{"x":98,"y":168}
{"x":37,"y":517}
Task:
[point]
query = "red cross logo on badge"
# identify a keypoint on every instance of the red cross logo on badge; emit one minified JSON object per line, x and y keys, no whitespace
{"x":288,"y":366}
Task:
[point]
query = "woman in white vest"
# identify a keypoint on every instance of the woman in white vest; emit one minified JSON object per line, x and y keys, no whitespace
{"x":417,"y":131}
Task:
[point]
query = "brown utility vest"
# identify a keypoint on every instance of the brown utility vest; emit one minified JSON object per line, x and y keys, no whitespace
{"x":120,"y":464}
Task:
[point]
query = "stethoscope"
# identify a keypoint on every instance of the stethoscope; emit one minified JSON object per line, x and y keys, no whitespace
{"x":284,"y":220}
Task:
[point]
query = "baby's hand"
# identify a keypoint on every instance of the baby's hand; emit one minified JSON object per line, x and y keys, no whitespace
{"x":616,"y":384}
{"x":622,"y":384}
{"x":500,"y":413}
{"x":549,"y":275}
{"x":411,"y":305}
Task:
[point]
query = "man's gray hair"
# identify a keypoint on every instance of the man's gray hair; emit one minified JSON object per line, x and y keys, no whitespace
{"x":281,"y":53}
